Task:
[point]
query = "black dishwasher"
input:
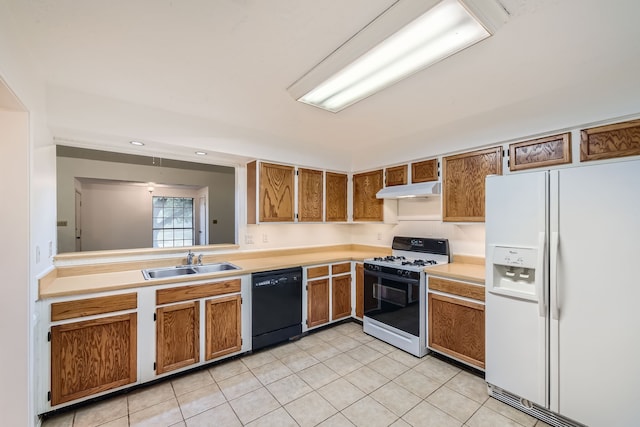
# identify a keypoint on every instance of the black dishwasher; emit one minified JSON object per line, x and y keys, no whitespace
{"x":276,"y":306}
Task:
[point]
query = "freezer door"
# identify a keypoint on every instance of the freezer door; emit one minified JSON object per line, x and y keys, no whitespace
{"x":516,"y":312}
{"x":595,"y":322}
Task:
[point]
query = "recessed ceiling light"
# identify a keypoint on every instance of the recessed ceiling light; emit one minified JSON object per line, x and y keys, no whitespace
{"x":136,"y":143}
{"x":201,"y":153}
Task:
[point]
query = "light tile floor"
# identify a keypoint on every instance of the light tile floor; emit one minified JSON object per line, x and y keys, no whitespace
{"x":334,"y":377}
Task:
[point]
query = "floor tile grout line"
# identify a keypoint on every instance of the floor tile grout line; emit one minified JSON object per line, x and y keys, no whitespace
{"x":328,"y":339}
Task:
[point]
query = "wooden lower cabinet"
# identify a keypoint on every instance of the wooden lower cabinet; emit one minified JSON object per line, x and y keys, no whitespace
{"x":177,"y":336}
{"x":341,"y":297}
{"x":223,"y":326}
{"x":317,"y":302}
{"x":92,"y":356}
{"x":456,"y":328}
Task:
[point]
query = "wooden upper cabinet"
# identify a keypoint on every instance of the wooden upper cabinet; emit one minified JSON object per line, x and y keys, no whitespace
{"x":397,"y":175}
{"x":463,"y":183}
{"x":606,"y":142}
{"x":336,"y":206}
{"x":310,"y":187}
{"x":424,"y":171}
{"x":92,"y":356}
{"x":366,"y":207}
{"x":275,"y":185}
{"x":541,"y":152}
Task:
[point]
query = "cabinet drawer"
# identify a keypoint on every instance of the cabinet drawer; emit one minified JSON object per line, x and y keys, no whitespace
{"x":92,"y":306}
{"x":466,"y":290}
{"x":313,"y":272}
{"x":185,"y":293}
{"x":345,"y":267}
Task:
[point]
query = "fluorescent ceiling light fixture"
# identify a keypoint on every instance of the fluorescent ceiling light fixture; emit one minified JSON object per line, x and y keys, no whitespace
{"x":441,"y":31}
{"x":136,"y":143}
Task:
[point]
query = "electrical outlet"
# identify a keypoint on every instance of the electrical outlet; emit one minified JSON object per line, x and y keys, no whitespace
{"x":379,"y":236}
{"x":265,"y":238}
{"x":248,"y":239}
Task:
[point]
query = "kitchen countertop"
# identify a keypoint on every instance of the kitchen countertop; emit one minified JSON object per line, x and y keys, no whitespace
{"x":92,"y":280}
{"x":79,"y":284}
{"x":462,"y":268}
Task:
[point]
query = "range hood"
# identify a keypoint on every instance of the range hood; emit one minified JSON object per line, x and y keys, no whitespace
{"x":423,"y":189}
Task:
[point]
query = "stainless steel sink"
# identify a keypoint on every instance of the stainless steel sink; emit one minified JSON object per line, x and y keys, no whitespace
{"x":161,"y":273}
{"x":214,"y":267}
{"x":182,"y":270}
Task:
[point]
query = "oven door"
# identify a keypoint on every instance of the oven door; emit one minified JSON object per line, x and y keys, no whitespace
{"x":393,"y":300}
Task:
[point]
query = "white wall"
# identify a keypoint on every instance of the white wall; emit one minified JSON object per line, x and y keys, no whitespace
{"x":96,"y":119}
{"x":417,"y":218}
{"x":272,"y":236}
{"x":27,"y":188}
{"x":14,"y":318}
{"x":119,"y":216}
{"x":464,"y":239}
{"x":221,"y":194}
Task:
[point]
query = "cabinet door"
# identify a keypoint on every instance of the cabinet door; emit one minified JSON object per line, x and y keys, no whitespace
{"x":341,"y":297}
{"x":310,"y":198}
{"x":424,"y":171}
{"x":365,"y":205}
{"x":359,"y":290}
{"x":92,"y":356}
{"x":276,"y":192}
{"x":317,"y":302}
{"x":223,"y":326}
{"x":336,"y":208}
{"x":397,"y":175}
{"x":177,"y":336}
{"x":463,"y":181}
{"x":456,"y":328}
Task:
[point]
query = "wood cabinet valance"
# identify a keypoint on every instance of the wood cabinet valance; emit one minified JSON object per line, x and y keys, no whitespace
{"x":610,"y":141}
{"x":547,"y":151}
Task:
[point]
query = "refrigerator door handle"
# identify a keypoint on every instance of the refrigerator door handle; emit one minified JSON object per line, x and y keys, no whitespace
{"x":539,"y":275}
{"x":553,"y":276}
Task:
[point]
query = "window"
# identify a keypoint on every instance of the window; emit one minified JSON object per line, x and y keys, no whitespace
{"x":172,"y":222}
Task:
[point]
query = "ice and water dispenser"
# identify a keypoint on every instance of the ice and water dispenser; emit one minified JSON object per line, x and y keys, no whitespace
{"x":514,"y":270}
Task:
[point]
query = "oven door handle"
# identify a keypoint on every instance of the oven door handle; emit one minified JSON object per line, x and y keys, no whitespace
{"x":391,"y":277}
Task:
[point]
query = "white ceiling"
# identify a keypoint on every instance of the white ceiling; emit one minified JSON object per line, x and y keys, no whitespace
{"x":221,"y":68}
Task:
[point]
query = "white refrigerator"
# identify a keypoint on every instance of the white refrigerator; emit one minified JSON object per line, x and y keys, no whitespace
{"x":563,"y":293}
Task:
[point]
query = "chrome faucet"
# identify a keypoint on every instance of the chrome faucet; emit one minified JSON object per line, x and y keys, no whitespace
{"x":200,"y":259}
{"x":190,"y":258}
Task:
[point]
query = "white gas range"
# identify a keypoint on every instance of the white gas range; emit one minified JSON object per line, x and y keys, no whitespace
{"x":395,"y":304}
